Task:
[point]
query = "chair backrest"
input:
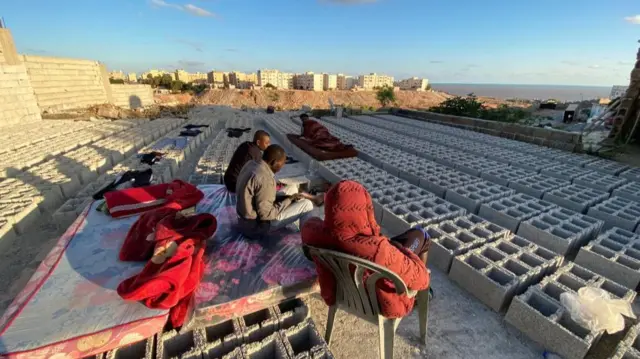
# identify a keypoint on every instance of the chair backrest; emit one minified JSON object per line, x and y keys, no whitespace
{"x":352,"y":293}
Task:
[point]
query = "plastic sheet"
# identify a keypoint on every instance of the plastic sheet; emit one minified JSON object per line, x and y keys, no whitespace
{"x":594,"y":309}
{"x":243,"y":275}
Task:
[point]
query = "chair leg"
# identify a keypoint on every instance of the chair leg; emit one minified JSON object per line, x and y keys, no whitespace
{"x":423,"y":313}
{"x":387,"y":330}
{"x":330,"y":318}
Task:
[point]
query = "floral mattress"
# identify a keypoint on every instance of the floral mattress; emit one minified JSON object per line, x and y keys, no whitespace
{"x":70,"y":307}
{"x":243,"y":275}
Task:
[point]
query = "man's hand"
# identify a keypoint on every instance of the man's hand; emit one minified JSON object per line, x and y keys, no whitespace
{"x":296,"y":197}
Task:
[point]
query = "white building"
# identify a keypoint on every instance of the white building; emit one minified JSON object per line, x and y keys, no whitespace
{"x":309,"y":81}
{"x":413,"y":84}
{"x":281,"y":80}
{"x":373,"y":80}
{"x":346,"y":82}
{"x":618,"y":91}
{"x":330,"y":82}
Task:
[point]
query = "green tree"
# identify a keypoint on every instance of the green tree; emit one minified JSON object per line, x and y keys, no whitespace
{"x":385,"y":95}
{"x":428,"y":87}
{"x":116,"y":81}
{"x":460,"y":106}
{"x":166,"y":81}
{"x":270,"y":86}
{"x":176,"y":86}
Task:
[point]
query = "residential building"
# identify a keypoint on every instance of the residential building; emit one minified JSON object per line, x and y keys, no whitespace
{"x":184,"y":76}
{"x":345,"y":82}
{"x":330,"y":82}
{"x":618,"y":91}
{"x":309,"y":81}
{"x":217,"y":79}
{"x":281,"y":80}
{"x":241,"y":80}
{"x":116,"y":75}
{"x":413,"y":84}
{"x":156,"y":73}
{"x":373,"y":80}
{"x":131,"y":77}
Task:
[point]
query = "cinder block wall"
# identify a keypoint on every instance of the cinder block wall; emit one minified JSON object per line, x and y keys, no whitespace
{"x":62,"y":83}
{"x":17,"y":100}
{"x":132,"y":96}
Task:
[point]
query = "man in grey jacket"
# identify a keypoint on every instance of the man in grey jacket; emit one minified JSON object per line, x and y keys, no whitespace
{"x":258,"y":210}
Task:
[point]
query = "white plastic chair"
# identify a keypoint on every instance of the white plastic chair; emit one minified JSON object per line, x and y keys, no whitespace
{"x":358,"y":298}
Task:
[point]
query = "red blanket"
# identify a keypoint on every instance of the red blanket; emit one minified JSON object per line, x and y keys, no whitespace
{"x":320,"y":154}
{"x":318,"y":136}
{"x":175,"y":265}
{"x":177,"y":195}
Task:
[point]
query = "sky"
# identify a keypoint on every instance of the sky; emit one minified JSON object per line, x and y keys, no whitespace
{"x":564,"y":42}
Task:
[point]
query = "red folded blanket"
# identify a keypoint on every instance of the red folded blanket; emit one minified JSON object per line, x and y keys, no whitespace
{"x":175,"y":267}
{"x":177,"y":195}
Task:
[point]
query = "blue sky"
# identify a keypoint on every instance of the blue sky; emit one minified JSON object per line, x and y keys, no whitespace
{"x":577,"y":42}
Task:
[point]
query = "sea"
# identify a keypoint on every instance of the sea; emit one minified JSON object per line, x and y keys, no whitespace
{"x":563,"y":93}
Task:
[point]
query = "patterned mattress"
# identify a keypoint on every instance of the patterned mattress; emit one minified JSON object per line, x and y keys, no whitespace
{"x":242,"y":275}
{"x":70,"y":307}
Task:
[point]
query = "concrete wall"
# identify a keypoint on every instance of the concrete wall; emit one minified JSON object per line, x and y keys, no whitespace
{"x":132,"y":96}
{"x":551,"y":138}
{"x":61,"y":83}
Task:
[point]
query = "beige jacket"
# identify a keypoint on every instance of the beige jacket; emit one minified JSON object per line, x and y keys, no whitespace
{"x":256,"y":195}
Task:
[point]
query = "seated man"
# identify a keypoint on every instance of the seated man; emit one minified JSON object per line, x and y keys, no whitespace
{"x":258,"y":210}
{"x":246,"y":152}
{"x":350,"y":227}
{"x":319,"y":136}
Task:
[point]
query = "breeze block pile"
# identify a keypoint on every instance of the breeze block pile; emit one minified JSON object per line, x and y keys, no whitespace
{"x":285,"y":331}
{"x":503,"y":215}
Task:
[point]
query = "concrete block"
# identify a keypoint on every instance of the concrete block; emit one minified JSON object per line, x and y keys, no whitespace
{"x":510,"y":211}
{"x":143,"y":349}
{"x":565,"y":172}
{"x":504,"y":176}
{"x":26,"y":218}
{"x":629,"y":347}
{"x":303,"y":338}
{"x":440,"y":183}
{"x":575,"y":197}
{"x":532,"y":163}
{"x":258,"y":325}
{"x":458,"y":236}
{"x":600,"y":181}
{"x":632,"y":174}
{"x":537,"y":185}
{"x":473,"y":195}
{"x":560,"y":230}
{"x":177,"y":345}
{"x":539,"y":314}
{"x":477,"y":166}
{"x":499,"y":270}
{"x":271,"y":347}
{"x":607,"y":166}
{"x":615,"y":254}
{"x":291,"y":312}
{"x":630,"y":191}
{"x":617,"y":212}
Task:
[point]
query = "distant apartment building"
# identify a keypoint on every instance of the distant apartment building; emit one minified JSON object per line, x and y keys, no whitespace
{"x":156,"y":73}
{"x":187,"y":77}
{"x":131,"y":77}
{"x":618,"y":91}
{"x":309,"y":81}
{"x":330,"y":82}
{"x":116,"y":75}
{"x":413,"y":84}
{"x":281,"y":80}
{"x":373,"y":80}
{"x":217,"y":79}
{"x":345,"y":82}
{"x":241,"y":80}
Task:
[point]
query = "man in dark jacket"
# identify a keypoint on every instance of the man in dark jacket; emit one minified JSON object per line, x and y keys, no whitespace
{"x":246,"y":152}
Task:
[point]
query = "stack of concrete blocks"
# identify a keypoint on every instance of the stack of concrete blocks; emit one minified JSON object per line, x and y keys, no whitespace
{"x":532,"y":163}
{"x":497,"y":271}
{"x":213,"y":163}
{"x":617,"y":212}
{"x":600,"y":181}
{"x":505,"y":175}
{"x":537,"y":185}
{"x":111,"y":164}
{"x":607,"y":166}
{"x":632,"y":174}
{"x":539,"y":314}
{"x":457,"y":236}
{"x":472,"y":196}
{"x":630,"y":191}
{"x":17,"y":136}
{"x":477,"y":166}
{"x":629,"y":347}
{"x":510,"y":211}
{"x":560,"y":230}
{"x":409,"y":212}
{"x":283,"y":331}
{"x":575,"y":197}
{"x":615,"y":254}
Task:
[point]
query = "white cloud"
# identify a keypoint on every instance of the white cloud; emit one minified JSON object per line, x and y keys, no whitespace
{"x":189,"y":8}
{"x":633,"y":19}
{"x":594,"y":67}
{"x":194,"y":10}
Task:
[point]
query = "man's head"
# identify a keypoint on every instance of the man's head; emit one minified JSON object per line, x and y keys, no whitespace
{"x":275,"y":157}
{"x":262,"y":139}
{"x":304,"y":117}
